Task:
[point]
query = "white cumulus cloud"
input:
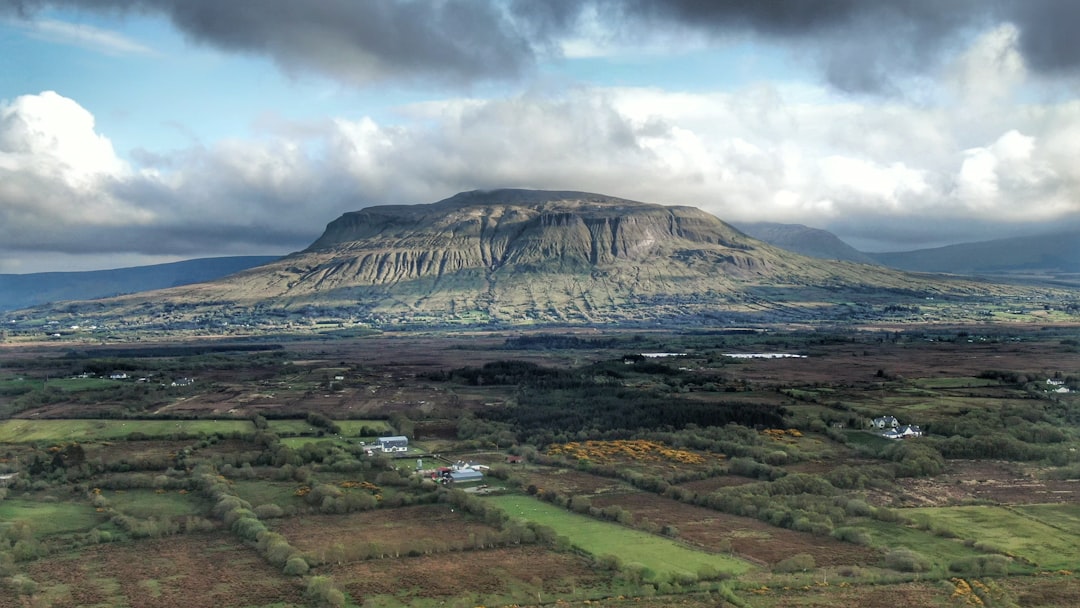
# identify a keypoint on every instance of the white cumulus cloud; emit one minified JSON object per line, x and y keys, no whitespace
{"x":55,"y":170}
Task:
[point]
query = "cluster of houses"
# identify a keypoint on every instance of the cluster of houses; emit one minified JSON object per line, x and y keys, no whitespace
{"x":891,"y":428}
{"x":1056,"y":386}
{"x":141,"y":379}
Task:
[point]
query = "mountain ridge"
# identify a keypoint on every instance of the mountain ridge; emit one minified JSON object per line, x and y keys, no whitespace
{"x":1056,"y":251}
{"x":527,"y":256}
{"x":806,"y":240}
{"x":33,"y":289}
{"x":535,"y":257}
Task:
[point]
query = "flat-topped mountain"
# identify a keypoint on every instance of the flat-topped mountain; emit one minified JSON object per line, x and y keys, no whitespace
{"x":522,"y":256}
{"x":520,"y":230}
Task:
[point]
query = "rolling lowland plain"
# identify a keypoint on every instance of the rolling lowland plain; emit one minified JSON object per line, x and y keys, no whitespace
{"x":222,"y":472}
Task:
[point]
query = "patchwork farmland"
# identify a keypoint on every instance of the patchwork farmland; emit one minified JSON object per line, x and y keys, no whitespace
{"x":595,"y":477}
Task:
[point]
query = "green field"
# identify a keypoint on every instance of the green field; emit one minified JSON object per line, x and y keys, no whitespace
{"x":299,"y":442}
{"x":1065,"y":517}
{"x":148,"y":503}
{"x":48,"y":518}
{"x":291,"y":428}
{"x":661,"y":555}
{"x":940,"y":551}
{"x":280,"y":493}
{"x":352,"y":428}
{"x":349,"y":428}
{"x":25,"y":431}
{"x":1015,"y":532}
{"x":68,"y":385}
{"x":955,"y":382}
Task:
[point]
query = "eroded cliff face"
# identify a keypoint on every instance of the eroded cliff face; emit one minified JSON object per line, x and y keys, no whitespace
{"x":528,"y":256}
{"x":484,"y":232}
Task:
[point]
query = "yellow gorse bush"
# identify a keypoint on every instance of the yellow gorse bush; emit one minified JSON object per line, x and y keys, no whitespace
{"x":624,"y":449}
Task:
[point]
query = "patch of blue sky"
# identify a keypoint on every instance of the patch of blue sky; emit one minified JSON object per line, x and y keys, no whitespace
{"x":716,"y":67}
{"x":150,"y":88}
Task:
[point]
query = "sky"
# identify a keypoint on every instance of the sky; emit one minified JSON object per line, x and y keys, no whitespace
{"x":135,"y":132}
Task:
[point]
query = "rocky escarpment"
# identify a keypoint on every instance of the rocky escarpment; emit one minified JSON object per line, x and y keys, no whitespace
{"x":529,"y":256}
{"x":484,"y":232}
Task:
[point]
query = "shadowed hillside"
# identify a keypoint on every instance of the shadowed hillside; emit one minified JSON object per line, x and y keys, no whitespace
{"x":25,"y":290}
{"x":809,"y":241}
{"x":1050,"y":252}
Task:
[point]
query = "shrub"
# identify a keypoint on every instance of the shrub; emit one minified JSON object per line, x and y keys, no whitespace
{"x":608,"y":562}
{"x":321,"y":589}
{"x":800,"y":562}
{"x":851,"y":535}
{"x":22,"y":584}
{"x":982,"y":565}
{"x":295,"y":566}
{"x":269,"y":511}
{"x":906,"y":560}
{"x":248,"y":528}
{"x":236,"y":514}
{"x":857,"y":508}
{"x":849,"y":571}
{"x":278,"y":551}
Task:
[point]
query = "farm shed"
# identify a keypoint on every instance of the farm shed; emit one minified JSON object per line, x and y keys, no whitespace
{"x":398,"y":443}
{"x":461,"y":475}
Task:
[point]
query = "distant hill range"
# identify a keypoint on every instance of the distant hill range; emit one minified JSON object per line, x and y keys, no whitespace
{"x":809,"y":241}
{"x":529,"y":256}
{"x":1046,"y":254}
{"x":26,"y":290}
{"x":1050,"y":253}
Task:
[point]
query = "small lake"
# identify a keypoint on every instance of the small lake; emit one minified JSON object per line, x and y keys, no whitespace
{"x":764,"y":356}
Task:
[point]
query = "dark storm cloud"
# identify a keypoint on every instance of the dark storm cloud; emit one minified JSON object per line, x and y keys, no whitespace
{"x":863,"y":43}
{"x":1048,"y":36}
{"x":860,"y":44}
{"x":353,"y":41}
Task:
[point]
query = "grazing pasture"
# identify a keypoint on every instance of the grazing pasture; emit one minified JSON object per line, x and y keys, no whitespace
{"x":1044,"y":543}
{"x":939,"y":551}
{"x":49,"y":517}
{"x":741,"y":536}
{"x":150,"y":503}
{"x":662,"y":556}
